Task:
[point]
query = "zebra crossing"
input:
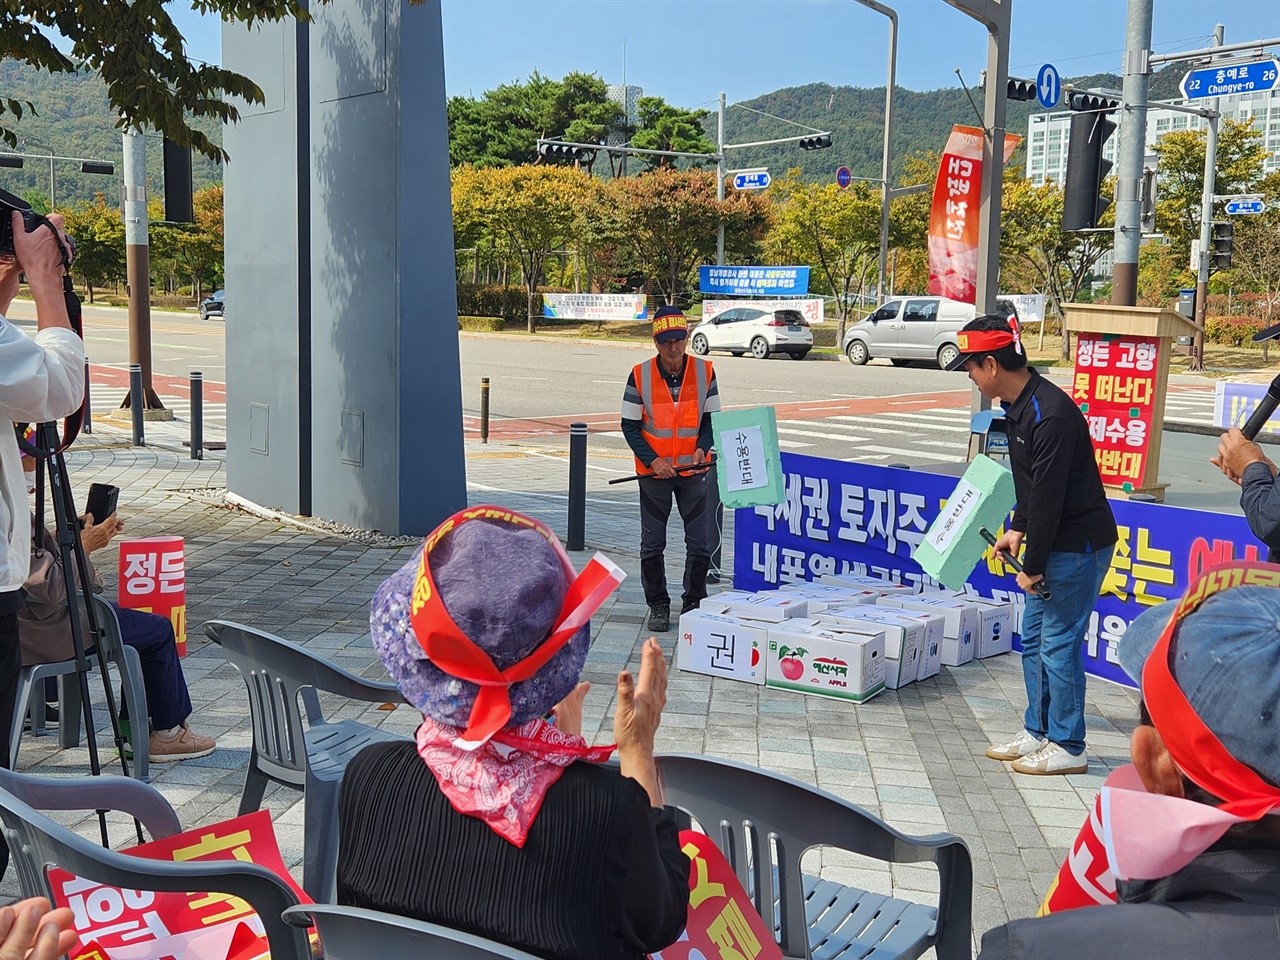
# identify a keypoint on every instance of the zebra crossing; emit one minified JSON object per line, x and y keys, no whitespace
{"x":103,"y":398}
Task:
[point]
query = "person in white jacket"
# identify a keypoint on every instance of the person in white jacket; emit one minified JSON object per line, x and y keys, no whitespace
{"x":41,"y":378}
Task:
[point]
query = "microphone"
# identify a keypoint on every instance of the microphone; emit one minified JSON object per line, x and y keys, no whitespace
{"x":1262,"y":413}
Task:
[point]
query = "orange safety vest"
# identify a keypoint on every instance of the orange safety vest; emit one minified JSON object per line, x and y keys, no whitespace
{"x":671,"y":427}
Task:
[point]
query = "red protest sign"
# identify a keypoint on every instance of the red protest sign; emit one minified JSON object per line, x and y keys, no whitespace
{"x":153,"y":578}
{"x":1115,"y":389}
{"x":723,"y":923}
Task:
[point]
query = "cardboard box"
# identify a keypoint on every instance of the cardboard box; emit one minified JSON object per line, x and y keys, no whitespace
{"x":961,"y":622}
{"x":995,"y":632}
{"x":930,"y":627}
{"x":902,"y":639}
{"x":883,"y":587}
{"x":768,"y":605}
{"x":719,"y":602}
{"x":842,"y":665}
{"x":721,"y":646}
{"x":835,"y":596}
{"x":815,"y":600}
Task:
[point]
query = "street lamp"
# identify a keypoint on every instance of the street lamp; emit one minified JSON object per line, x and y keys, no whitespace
{"x":887,"y":159}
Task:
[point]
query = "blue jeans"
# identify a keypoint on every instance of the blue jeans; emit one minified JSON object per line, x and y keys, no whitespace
{"x":1053,"y":646}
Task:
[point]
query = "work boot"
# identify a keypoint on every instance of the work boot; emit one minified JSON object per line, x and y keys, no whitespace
{"x":660,"y":617}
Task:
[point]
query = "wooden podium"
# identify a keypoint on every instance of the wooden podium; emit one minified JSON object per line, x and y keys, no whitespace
{"x":1121,"y":377}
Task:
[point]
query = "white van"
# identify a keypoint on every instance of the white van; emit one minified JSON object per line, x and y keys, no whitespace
{"x":913,"y":328}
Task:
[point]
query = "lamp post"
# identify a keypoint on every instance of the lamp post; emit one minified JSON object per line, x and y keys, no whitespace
{"x":887,"y":160}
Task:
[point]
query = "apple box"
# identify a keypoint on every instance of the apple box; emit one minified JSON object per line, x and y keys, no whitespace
{"x":815,"y":600}
{"x":840,"y":665}
{"x":902,"y":639}
{"x":930,"y":627}
{"x":995,"y":631}
{"x":961,"y":621}
{"x":768,"y":605}
{"x":834,"y":596}
{"x":719,"y":602}
{"x":882,"y":587}
{"x":721,"y":646}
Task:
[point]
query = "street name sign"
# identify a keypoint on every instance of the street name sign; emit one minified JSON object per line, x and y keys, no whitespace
{"x":1224,"y":79}
{"x":751,"y":180}
{"x":1048,"y":86}
{"x":844,"y":177}
{"x":1245,"y":206}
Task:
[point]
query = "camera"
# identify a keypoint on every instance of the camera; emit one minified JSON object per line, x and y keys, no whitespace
{"x":30,"y":219}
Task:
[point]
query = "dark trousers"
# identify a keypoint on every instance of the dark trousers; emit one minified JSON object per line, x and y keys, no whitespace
{"x":152,"y":636}
{"x":690,"y":494}
{"x":10,"y":668}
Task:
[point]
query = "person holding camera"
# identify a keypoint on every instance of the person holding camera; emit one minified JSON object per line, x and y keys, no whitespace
{"x":41,"y":378}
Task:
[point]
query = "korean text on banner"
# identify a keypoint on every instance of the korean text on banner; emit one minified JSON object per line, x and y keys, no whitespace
{"x":1115,"y":388}
{"x":953,"y":218}
{"x":153,"y":579}
{"x":843,"y":519}
{"x":595,"y":306}
{"x":1234,"y":403}
{"x":754,"y":281}
{"x":722,"y":923}
{"x":748,"y":464}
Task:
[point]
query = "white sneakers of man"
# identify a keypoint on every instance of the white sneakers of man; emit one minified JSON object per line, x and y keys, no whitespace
{"x":1021,"y":745}
{"x":1051,"y":760}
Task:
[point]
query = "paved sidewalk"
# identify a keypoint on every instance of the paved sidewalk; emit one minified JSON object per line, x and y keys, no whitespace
{"x":913,"y":757}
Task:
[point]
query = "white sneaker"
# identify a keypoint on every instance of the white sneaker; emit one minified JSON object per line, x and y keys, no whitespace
{"x":1050,"y":760}
{"x":1021,"y":745}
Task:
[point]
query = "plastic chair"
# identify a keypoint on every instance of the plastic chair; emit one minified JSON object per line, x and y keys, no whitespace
{"x":346,"y":933}
{"x":30,"y":694}
{"x":760,"y":820}
{"x":38,"y":843}
{"x":276,"y":672}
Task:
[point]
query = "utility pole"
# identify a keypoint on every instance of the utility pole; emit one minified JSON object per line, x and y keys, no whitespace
{"x":1133,"y":141}
{"x":886,"y":162}
{"x":1206,"y":221}
{"x":720,"y":171}
{"x":138,"y":261}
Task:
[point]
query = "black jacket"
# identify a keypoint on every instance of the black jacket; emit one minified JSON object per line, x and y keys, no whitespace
{"x":1260,"y":501}
{"x":1223,"y":905}
{"x":1062,"y":506}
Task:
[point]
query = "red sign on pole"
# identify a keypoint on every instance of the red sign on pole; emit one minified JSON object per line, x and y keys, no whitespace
{"x":1115,"y":388}
{"x":153,"y":578}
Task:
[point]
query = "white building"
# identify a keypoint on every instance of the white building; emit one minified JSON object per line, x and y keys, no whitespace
{"x":625,"y":97}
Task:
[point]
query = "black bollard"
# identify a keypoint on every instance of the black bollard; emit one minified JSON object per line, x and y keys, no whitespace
{"x":86,"y":425}
{"x":137,"y":403}
{"x":197,"y":415}
{"x":1143,"y":498}
{"x":577,"y":485}
{"x":484,"y":409}
{"x":715,"y":517}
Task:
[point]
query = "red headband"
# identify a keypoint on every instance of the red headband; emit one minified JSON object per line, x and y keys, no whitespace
{"x":456,"y":654}
{"x":1195,"y":749}
{"x":984,"y":341}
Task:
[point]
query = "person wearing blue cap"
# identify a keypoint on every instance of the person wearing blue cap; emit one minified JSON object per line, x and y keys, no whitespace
{"x":1190,"y":881}
{"x":666,"y":418}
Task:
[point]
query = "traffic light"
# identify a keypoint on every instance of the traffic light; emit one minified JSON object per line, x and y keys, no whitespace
{"x":1019,"y":89}
{"x":820,"y":142}
{"x":1220,"y":245}
{"x":1083,"y":100}
{"x":555,"y":150}
{"x":1082,"y":200}
{"x":177,"y":183}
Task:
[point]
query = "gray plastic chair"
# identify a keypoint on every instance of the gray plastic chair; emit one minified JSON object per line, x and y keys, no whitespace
{"x":348,"y":933}
{"x":764,"y":823}
{"x":37,"y":843}
{"x":30,"y":695}
{"x":312,"y":759}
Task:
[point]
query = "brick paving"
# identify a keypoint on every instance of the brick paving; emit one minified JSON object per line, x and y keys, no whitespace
{"x":914,"y":757}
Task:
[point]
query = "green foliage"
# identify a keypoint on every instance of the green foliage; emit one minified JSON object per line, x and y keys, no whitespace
{"x":481,"y":301}
{"x":483,"y":324}
{"x":1232,"y":331}
{"x":664,"y":127}
{"x":99,"y":233}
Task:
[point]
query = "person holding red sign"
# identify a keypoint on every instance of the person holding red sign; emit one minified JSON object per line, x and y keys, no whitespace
{"x":1070,"y":534}
{"x":1194,"y":846}
{"x":500,"y":819}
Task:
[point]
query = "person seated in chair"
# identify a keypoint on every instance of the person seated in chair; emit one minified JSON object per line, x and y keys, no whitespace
{"x":499,"y":820}
{"x":44,"y":630}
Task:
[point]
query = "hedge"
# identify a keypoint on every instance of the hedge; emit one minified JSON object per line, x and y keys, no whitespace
{"x":1232,"y":331}
{"x":482,"y":324}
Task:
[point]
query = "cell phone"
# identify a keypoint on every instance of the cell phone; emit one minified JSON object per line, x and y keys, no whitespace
{"x":102,"y":501}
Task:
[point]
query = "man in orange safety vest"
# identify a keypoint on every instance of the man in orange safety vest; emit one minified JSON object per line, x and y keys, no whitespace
{"x":666,"y":418}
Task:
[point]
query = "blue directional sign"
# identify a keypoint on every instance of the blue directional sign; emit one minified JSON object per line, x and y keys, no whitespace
{"x":751,"y":180}
{"x":1225,"y":79}
{"x":844,"y":177}
{"x":1048,"y":86}
{"x":1245,"y":206}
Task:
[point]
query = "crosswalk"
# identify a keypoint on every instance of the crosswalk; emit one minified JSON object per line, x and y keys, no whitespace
{"x":105,"y":398}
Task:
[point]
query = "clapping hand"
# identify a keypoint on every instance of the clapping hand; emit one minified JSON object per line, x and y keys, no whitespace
{"x":568,"y":712}
{"x":30,"y":931}
{"x":637,"y":717}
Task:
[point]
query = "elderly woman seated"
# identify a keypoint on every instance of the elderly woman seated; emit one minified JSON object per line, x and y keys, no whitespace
{"x":500,"y":820}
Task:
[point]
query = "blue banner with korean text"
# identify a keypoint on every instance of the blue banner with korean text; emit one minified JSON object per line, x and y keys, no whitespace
{"x":754,"y":281}
{"x":838,"y":517}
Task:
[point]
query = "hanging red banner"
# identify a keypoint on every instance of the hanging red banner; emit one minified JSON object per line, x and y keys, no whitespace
{"x":953,"y":219}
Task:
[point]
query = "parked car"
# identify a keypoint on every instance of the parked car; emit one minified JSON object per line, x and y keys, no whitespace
{"x":761,"y":332}
{"x":212,"y":305}
{"x":913,"y":328}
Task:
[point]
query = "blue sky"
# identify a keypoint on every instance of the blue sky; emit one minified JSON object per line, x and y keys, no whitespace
{"x":689,"y":50}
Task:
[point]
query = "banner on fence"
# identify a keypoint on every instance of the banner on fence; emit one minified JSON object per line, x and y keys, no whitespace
{"x":811,"y":308}
{"x":838,"y":517}
{"x":595,"y":306}
{"x":754,"y":281}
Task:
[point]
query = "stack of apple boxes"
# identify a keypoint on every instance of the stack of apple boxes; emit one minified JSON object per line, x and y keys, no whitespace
{"x":844,"y":637}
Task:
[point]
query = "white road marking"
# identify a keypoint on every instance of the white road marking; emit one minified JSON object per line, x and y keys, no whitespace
{"x":823,"y":436}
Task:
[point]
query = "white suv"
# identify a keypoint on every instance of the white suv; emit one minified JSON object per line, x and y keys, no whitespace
{"x":761,"y":332}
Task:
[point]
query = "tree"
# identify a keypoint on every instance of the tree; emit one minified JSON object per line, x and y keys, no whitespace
{"x":99,"y":234}
{"x":196,"y":248}
{"x":664,"y":127}
{"x":1256,"y":254}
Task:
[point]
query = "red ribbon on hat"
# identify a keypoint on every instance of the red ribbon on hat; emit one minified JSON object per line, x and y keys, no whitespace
{"x":451,"y":650}
{"x":1195,"y":749}
{"x":984,"y":341}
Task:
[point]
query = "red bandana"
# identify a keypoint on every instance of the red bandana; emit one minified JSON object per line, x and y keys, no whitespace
{"x":1195,"y":749}
{"x":984,"y":341}
{"x":505,"y":781}
{"x":457,"y":655}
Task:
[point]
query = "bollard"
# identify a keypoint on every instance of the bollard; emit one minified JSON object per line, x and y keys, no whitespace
{"x":137,"y":403}
{"x":484,"y":410}
{"x":577,"y":485}
{"x":715,"y":517}
{"x":1143,"y":498}
{"x":86,"y":424}
{"x":197,"y":415}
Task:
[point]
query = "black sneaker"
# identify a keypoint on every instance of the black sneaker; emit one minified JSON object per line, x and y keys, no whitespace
{"x":687,"y":606}
{"x":660,"y":617}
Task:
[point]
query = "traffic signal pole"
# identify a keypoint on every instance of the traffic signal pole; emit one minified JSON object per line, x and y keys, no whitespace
{"x":1206,"y":221}
{"x":886,"y":160}
{"x":720,"y":171}
{"x":1133,"y":140}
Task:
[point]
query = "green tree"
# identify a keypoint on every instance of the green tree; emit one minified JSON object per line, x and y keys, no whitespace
{"x":664,"y":127}
{"x":99,"y":233}
{"x":1256,"y":252}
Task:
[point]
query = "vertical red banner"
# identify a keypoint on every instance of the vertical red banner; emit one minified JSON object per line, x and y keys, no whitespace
{"x":153,"y":579}
{"x":953,"y":218}
{"x":1115,"y":388}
